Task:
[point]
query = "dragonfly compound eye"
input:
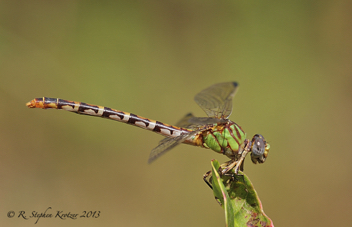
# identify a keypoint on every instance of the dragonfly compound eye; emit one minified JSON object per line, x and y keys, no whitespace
{"x":259,"y":149}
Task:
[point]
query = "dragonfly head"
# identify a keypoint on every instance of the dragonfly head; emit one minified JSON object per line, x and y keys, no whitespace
{"x":259,"y":149}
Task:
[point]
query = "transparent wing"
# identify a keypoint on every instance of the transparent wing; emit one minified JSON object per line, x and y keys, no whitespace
{"x":167,"y":144}
{"x":216,"y":100}
{"x":205,"y":121}
{"x":185,"y":123}
{"x":191,"y":122}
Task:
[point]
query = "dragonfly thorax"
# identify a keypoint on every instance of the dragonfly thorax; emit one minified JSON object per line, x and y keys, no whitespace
{"x":226,"y":138}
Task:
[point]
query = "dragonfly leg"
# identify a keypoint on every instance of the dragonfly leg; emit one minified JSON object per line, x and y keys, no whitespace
{"x":236,"y":165}
{"x":207,"y":178}
{"x":246,"y":149}
{"x":240,"y":161}
{"x":229,"y":167}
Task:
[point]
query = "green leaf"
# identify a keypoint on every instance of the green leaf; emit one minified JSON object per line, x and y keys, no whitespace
{"x":239,"y":199}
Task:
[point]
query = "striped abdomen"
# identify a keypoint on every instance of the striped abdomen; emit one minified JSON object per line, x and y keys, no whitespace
{"x":105,"y":112}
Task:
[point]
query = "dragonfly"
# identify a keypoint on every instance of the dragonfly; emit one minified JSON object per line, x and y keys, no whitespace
{"x":215,"y":132}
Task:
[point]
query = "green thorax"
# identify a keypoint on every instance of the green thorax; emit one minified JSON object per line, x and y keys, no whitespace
{"x":224,"y":138}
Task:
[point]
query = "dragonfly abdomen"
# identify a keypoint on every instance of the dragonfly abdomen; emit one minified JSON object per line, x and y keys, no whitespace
{"x":223,"y":138}
{"x":108,"y":113}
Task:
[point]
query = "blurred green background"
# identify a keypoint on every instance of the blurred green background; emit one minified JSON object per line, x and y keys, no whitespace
{"x":291,"y":59}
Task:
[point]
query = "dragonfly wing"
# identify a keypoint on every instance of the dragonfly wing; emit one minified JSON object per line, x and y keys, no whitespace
{"x":216,"y":100}
{"x":200,"y":121}
{"x":191,"y":122}
{"x":167,"y":144}
{"x":184,"y":122}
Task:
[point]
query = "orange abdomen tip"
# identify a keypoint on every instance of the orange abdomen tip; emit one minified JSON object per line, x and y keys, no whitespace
{"x":35,"y":103}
